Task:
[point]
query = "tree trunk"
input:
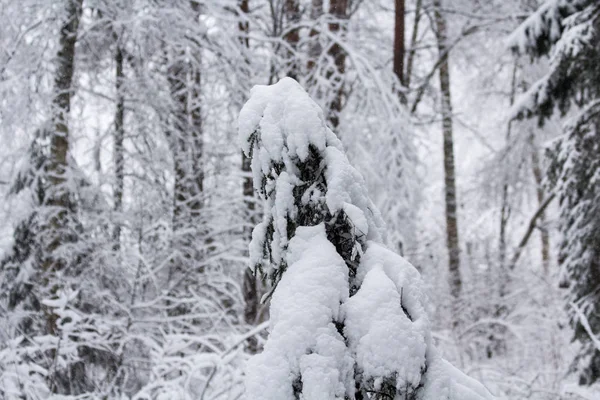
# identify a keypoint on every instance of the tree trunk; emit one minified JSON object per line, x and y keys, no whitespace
{"x":315,"y":49}
{"x":413,"y":43}
{"x":187,"y":141}
{"x":338,"y":10}
{"x":118,"y":149}
{"x":538,"y":176}
{"x":505,"y":209}
{"x":292,"y":37}
{"x":399,"y":50}
{"x":452,"y":239}
{"x":251,"y":286}
{"x":57,"y":232}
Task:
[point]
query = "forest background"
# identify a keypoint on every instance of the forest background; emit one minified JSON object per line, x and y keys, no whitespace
{"x":128,"y":206}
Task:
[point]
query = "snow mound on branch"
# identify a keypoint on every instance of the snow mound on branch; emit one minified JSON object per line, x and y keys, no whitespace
{"x":385,"y":320}
{"x":567,"y":27}
{"x":544,"y":27}
{"x":281,"y":127}
{"x":339,"y":319}
{"x":304,"y":339}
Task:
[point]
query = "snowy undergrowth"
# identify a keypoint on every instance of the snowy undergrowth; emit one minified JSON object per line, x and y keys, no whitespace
{"x":348,"y":317}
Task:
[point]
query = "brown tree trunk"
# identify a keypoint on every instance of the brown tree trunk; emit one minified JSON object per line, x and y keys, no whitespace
{"x":399,"y":50}
{"x":413,"y":43}
{"x":118,"y":150}
{"x":57,"y":232}
{"x":315,"y":49}
{"x":338,"y":10}
{"x":292,"y":37}
{"x":452,"y":239}
{"x":251,"y":286}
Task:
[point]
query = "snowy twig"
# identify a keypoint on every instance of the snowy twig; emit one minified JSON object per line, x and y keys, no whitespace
{"x":242,"y":339}
{"x":586,"y":325}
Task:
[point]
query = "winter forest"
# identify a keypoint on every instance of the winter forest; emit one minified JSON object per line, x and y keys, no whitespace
{"x":300,"y":199}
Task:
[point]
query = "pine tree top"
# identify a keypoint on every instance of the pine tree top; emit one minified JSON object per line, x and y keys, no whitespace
{"x":300,"y":170}
{"x":348,"y":315}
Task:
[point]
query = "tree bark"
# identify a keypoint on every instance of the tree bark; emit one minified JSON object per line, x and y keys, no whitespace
{"x":399,"y":49}
{"x":505,"y":208}
{"x":251,"y":285}
{"x":292,"y":17}
{"x":452,"y":238}
{"x":315,"y":49}
{"x":58,"y":198}
{"x":338,"y":10}
{"x":187,"y":140}
{"x":118,"y":150}
{"x":538,"y":176}
{"x":413,"y":43}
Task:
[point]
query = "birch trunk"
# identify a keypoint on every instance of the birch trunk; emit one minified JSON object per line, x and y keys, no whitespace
{"x":452,"y":239}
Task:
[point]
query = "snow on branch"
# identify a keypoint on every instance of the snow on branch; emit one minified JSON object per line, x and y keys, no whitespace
{"x":348,"y":315}
{"x":586,"y":325}
{"x":536,"y":35}
{"x":300,"y":170}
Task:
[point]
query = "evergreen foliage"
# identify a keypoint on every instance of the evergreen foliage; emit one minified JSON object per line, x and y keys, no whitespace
{"x":348,"y":317}
{"x":570,"y":32}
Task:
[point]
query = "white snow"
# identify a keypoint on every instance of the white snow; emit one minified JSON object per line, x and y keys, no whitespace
{"x":385,"y":333}
{"x":303,"y":336}
{"x":547,"y":20}
{"x":285,"y":122}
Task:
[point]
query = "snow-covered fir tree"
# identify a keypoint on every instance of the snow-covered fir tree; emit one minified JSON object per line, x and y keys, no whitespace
{"x":348,"y":316}
{"x":569,"y":31}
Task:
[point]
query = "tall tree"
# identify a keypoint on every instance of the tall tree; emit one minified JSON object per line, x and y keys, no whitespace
{"x":292,"y":37}
{"x":119,"y":150}
{"x":58,"y":197}
{"x":452,"y":238}
{"x":347,"y":315}
{"x":399,"y":47}
{"x":338,"y":10}
{"x":570,"y":31}
{"x":252,"y":286}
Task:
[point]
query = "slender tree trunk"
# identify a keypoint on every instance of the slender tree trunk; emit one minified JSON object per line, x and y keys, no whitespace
{"x":118,"y":150}
{"x":315,"y":49}
{"x":413,"y":43}
{"x":292,"y":37}
{"x":338,"y":10}
{"x":56,"y":232}
{"x":187,"y":141}
{"x":251,"y":286}
{"x":538,"y":176}
{"x":399,"y":49}
{"x":452,"y":239}
{"x":505,"y":209}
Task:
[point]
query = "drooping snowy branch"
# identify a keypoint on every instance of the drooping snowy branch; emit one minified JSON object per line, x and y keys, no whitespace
{"x":543,"y":28}
{"x":567,"y":28}
{"x":301,"y":172}
{"x":348,"y":315}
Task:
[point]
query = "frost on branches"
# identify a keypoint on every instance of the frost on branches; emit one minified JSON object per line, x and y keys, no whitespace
{"x":564,"y":29}
{"x":570,"y":32}
{"x":348,"y":316}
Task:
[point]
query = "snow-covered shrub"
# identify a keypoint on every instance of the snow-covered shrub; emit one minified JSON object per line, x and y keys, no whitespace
{"x":348,"y":318}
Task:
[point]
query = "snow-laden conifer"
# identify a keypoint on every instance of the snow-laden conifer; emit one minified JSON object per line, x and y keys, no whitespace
{"x":348,"y":318}
{"x":569,"y":31}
